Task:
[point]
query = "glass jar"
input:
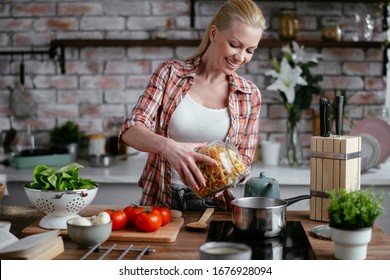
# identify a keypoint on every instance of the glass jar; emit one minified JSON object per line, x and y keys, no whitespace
{"x":331,"y":31}
{"x":288,"y":24}
{"x":97,"y":144}
{"x":227,"y":174}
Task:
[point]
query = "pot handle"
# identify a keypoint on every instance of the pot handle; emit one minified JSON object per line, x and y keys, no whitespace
{"x":294,"y":199}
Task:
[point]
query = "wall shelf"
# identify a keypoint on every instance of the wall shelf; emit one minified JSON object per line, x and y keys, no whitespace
{"x":268,"y":43}
{"x":265,"y":43}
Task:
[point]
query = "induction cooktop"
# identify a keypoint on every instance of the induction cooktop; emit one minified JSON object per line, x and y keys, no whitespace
{"x":291,"y":244}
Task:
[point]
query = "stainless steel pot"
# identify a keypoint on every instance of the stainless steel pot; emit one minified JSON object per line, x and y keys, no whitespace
{"x":261,"y":216}
{"x":101,"y":160}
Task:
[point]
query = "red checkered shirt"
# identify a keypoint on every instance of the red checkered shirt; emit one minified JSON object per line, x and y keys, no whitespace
{"x":168,"y":85}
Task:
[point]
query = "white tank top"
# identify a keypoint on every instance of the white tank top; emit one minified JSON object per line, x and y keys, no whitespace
{"x":192,"y":122}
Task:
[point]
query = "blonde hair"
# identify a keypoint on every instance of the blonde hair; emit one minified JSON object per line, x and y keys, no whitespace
{"x":245,"y":11}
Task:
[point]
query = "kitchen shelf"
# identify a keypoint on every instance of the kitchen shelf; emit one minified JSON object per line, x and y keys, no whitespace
{"x":265,"y":43}
{"x":268,"y":43}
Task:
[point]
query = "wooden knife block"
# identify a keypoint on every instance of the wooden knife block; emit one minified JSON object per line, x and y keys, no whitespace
{"x":335,"y":163}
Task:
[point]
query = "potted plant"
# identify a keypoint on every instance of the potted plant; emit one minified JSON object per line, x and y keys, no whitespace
{"x":351,"y":217}
{"x":67,"y":136}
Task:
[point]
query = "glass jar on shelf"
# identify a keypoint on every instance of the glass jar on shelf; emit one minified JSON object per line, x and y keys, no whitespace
{"x":331,"y":31}
{"x":288,"y":24}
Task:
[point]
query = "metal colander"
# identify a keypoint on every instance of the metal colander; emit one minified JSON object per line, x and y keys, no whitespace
{"x":60,"y":205}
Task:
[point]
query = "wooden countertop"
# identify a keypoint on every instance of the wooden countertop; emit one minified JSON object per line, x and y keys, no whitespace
{"x":187,"y":243}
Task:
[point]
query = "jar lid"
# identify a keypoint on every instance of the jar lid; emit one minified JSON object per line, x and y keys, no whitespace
{"x":97,"y":136}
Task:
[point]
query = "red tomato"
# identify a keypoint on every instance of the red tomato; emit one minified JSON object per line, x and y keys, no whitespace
{"x":118,"y":218}
{"x":165,"y":214}
{"x":148,"y":220}
{"x":132,"y":211}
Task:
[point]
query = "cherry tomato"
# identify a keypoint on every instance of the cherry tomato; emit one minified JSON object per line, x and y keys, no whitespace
{"x":165,"y":214}
{"x":148,"y":220}
{"x":132,"y":211}
{"x":118,"y":218}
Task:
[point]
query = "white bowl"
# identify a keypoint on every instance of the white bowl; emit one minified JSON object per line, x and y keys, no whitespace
{"x":60,"y":206}
{"x":88,"y":235}
{"x":225,"y":251}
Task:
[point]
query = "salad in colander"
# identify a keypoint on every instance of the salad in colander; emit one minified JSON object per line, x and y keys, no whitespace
{"x":63,"y":179}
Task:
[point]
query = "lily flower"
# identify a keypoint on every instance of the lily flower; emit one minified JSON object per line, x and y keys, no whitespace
{"x":299,"y":55}
{"x":286,"y":80}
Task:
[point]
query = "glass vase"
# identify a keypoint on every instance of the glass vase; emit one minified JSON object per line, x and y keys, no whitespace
{"x":294,"y":151}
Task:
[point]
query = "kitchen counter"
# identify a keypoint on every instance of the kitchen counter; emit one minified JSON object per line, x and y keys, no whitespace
{"x":186,"y":245}
{"x":118,"y":184}
{"x":128,"y":172}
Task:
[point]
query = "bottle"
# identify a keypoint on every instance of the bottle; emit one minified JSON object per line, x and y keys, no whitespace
{"x":288,"y":24}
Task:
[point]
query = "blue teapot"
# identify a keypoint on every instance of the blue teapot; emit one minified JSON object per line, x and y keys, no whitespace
{"x":262,"y":186}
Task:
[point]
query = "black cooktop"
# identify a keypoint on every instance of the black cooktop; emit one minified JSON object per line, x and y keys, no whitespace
{"x":291,"y":244}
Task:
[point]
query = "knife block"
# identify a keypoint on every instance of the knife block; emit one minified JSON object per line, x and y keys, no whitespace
{"x":335,"y":163}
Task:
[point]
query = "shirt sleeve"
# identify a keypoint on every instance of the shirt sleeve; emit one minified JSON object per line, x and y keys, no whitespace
{"x":250,"y":131}
{"x":146,"y":108}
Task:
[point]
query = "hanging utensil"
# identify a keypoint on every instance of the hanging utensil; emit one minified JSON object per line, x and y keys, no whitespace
{"x":22,"y":103}
{"x":21,"y":72}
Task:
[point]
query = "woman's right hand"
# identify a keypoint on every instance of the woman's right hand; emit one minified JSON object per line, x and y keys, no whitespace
{"x":183,"y":158}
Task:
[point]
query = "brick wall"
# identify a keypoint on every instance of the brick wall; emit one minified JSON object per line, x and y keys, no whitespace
{"x":102,"y":84}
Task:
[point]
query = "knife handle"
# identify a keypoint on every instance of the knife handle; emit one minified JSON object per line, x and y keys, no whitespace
{"x":339,"y":114}
{"x":322,"y":117}
{"x":327,"y":119}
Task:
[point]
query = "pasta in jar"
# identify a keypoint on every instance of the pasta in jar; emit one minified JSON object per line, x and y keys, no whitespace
{"x":227,"y":174}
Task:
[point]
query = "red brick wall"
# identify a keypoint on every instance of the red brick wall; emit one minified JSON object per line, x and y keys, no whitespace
{"x":102,"y":84}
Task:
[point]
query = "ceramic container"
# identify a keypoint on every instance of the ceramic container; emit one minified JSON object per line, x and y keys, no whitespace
{"x":59,"y":206}
{"x":88,"y":235}
{"x":225,"y":251}
{"x":351,"y":244}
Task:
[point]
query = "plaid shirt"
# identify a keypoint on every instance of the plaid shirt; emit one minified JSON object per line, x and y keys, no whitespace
{"x":168,"y":85}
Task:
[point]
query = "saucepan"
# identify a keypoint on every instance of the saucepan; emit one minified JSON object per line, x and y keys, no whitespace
{"x":261,"y":216}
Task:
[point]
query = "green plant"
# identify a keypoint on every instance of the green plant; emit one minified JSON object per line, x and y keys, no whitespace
{"x":63,"y":179}
{"x":66,"y":134}
{"x":354,"y":209}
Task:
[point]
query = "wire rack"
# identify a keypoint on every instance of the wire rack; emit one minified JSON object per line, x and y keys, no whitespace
{"x":103,"y":252}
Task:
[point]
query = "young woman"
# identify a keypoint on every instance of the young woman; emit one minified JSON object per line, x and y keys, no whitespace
{"x":190,"y":103}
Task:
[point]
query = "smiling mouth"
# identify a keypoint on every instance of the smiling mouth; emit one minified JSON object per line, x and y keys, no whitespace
{"x":231,"y":63}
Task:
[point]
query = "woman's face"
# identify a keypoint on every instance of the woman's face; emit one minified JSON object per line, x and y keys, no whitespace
{"x":234,"y":46}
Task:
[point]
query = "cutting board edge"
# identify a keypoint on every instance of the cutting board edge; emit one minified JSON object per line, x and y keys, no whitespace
{"x":34,"y":229}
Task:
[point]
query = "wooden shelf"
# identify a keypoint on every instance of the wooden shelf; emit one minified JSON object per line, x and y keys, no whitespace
{"x":265,"y":43}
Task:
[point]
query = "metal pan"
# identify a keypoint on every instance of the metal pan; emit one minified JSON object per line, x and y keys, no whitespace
{"x":261,"y":216}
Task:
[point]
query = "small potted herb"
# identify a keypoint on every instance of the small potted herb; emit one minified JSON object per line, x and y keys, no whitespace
{"x":351,"y":217}
{"x":67,"y":136}
{"x":66,"y":133}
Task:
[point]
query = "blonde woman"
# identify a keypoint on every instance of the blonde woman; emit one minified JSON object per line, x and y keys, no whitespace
{"x":190,"y":103}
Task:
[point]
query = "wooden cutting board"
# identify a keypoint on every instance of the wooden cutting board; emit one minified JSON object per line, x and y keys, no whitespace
{"x":167,"y":233}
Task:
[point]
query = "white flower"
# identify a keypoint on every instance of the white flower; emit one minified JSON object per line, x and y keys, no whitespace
{"x":298,"y":54}
{"x":286,"y":79}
